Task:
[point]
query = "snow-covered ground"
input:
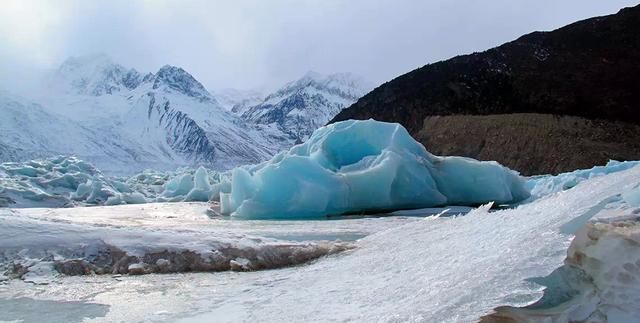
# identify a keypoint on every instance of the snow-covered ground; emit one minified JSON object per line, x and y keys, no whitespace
{"x":394,"y":269}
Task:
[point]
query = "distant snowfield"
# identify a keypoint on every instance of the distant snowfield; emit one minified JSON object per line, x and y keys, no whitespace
{"x":392,"y":269}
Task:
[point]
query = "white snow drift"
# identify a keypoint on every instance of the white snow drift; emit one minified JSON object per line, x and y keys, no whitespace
{"x":360,"y":166}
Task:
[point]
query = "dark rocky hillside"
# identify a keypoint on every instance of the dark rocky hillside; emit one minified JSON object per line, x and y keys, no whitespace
{"x":588,"y":70}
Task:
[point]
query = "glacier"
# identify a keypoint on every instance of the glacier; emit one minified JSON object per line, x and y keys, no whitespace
{"x":571,"y":255}
{"x":460,"y":268}
{"x":363,"y":166}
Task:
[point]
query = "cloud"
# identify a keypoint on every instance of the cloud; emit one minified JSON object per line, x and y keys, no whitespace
{"x":266,"y":43}
{"x":25,"y":28}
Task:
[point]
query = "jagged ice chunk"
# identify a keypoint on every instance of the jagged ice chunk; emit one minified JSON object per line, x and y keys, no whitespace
{"x":364,"y":166}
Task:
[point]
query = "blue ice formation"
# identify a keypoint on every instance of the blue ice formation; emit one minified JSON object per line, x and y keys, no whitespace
{"x":52,"y":182}
{"x":68,"y":181}
{"x":348,"y":167}
{"x":191,"y":187}
{"x":363,"y":166}
{"x":543,"y":185}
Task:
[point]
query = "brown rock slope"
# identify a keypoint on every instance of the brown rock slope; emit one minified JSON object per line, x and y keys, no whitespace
{"x":547,"y":102}
{"x":532,"y":143}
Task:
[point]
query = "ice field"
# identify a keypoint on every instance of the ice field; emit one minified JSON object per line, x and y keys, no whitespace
{"x":397,"y":268}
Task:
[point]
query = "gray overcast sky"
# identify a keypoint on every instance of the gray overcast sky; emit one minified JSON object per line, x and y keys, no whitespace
{"x":246,"y":44}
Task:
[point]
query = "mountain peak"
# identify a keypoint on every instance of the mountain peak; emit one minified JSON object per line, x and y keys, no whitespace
{"x":344,"y":77}
{"x":177,"y":79}
{"x":312,"y":76}
{"x":236,"y":100}
{"x":308,"y":103}
{"x":93,"y":75}
{"x":342,"y":84}
{"x":97,"y":75}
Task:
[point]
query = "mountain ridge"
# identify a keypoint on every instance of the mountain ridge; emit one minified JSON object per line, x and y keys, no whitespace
{"x":125,"y":121}
{"x":131,"y":122}
{"x":303,"y":105}
{"x":494,"y":81}
{"x":587,"y":69}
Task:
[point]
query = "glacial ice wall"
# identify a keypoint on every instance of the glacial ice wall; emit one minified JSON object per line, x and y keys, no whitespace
{"x":364,"y":166}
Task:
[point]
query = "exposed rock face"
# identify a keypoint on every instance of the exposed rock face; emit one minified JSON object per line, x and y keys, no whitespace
{"x":586,"y":69}
{"x":115,"y":261}
{"x":532,"y":143}
{"x":179,"y":80}
{"x":184,"y":135}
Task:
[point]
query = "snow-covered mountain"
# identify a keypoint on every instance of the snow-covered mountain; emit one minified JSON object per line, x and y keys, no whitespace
{"x":125,"y":121}
{"x":302,"y":106}
{"x":28,"y":130}
{"x":238,"y":101}
{"x":93,"y":75}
